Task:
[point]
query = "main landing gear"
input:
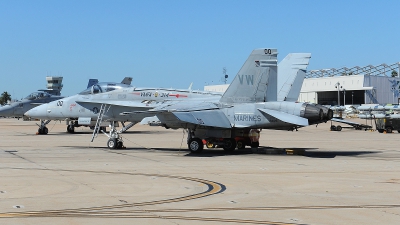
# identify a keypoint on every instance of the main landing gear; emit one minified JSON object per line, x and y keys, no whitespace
{"x":115,"y":139}
{"x":195,"y":144}
{"x":115,"y":143}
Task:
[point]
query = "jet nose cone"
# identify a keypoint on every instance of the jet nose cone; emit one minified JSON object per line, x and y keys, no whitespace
{"x":39,"y":112}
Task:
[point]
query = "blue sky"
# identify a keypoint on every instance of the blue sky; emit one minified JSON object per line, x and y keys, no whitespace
{"x":173,"y":43}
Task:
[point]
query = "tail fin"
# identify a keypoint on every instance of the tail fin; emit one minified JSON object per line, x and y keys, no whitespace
{"x":127,"y":80}
{"x":92,"y":82}
{"x":292,"y":70}
{"x":256,"y":80}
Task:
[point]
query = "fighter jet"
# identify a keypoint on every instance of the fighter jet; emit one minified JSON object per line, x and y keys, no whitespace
{"x":17,"y":109}
{"x":94,"y":87}
{"x":243,"y":109}
{"x":85,"y":108}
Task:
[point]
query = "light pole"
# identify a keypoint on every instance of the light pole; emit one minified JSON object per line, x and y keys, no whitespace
{"x":337,"y":85}
{"x":344,"y":95}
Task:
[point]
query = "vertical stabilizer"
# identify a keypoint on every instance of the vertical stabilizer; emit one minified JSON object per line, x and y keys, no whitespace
{"x":291,"y":73}
{"x":127,"y":80}
{"x":256,"y":80}
{"x":92,"y":82}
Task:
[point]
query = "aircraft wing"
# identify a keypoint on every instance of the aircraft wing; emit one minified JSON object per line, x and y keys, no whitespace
{"x":211,"y":118}
{"x":115,"y":103}
{"x":285,"y":117}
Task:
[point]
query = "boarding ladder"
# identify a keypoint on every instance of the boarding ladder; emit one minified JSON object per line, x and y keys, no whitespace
{"x":103,"y":109}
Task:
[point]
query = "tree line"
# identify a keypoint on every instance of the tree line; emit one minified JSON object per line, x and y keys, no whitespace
{"x":4,"y":98}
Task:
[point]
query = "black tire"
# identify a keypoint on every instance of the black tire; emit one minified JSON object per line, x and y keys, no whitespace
{"x":112,"y":143}
{"x":119,"y":144}
{"x":40,"y":131}
{"x":333,"y":128}
{"x":45,"y":130}
{"x":389,"y":130}
{"x":381,"y":130}
{"x":70,"y":129}
{"x":103,"y":129}
{"x":339,"y":128}
{"x":195,"y":145}
{"x":255,"y":144}
{"x":229,"y":145}
{"x":240,"y":145}
{"x":398,"y":131}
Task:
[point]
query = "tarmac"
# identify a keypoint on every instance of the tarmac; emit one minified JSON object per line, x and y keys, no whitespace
{"x":309,"y":176}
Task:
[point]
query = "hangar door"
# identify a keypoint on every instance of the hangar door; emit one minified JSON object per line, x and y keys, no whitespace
{"x":355,"y":97}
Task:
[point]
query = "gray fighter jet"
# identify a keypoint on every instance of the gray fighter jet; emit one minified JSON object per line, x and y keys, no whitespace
{"x":93,"y":87}
{"x":242,"y":111}
{"x":17,"y":109}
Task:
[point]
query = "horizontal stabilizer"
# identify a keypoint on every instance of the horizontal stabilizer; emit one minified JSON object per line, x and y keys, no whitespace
{"x":285,"y":117}
{"x":212,"y":118}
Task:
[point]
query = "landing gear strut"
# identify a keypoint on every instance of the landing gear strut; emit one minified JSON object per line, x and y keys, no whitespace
{"x":42,"y":127}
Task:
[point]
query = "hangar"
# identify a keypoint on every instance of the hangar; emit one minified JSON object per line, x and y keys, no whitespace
{"x":355,"y":86}
{"x":351,"y":86}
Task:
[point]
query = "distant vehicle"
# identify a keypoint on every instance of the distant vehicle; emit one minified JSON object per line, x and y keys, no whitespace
{"x":388,"y":125}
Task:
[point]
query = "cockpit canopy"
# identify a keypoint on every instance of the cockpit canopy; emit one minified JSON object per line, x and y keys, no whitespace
{"x":38,"y":95}
{"x":103,"y":87}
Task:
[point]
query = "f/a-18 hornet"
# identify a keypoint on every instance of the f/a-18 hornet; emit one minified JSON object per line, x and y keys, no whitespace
{"x":249,"y":103}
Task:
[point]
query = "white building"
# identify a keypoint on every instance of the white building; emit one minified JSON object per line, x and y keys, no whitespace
{"x":351,"y":90}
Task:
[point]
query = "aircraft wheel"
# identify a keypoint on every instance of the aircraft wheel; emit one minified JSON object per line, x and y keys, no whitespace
{"x":381,"y":130}
{"x":255,"y":144}
{"x":210,"y":145}
{"x":70,"y":129}
{"x":103,"y":129}
{"x":230,"y":145}
{"x":398,"y":131}
{"x":339,"y":128}
{"x":45,"y":130}
{"x":195,"y":145}
{"x":389,"y":130}
{"x":40,"y":131}
{"x":119,"y":144}
{"x":112,"y":143}
{"x":240,"y":145}
{"x":333,"y":128}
